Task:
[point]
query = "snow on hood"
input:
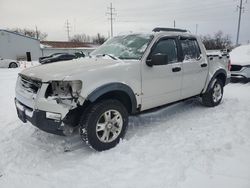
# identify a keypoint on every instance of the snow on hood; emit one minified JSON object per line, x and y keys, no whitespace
{"x":60,"y":70}
{"x":241,"y":55}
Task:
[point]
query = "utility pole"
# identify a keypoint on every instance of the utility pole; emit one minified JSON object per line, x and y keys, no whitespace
{"x":174,"y":23}
{"x":240,"y":7}
{"x":196,"y":29}
{"x":36,"y":33}
{"x":67,"y":25}
{"x":111,"y":18}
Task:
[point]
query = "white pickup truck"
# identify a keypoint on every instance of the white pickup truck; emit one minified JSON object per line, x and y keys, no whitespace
{"x":127,"y":75}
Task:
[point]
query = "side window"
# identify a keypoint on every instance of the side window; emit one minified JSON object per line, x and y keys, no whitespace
{"x":190,"y":49}
{"x":61,"y":57}
{"x":68,"y":57}
{"x":168,"y":47}
{"x":64,"y":57}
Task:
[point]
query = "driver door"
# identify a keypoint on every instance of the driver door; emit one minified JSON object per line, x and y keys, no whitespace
{"x":161,"y":84}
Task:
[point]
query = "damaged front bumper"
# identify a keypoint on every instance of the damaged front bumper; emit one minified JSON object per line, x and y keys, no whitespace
{"x":46,"y":113}
{"x":46,"y":121}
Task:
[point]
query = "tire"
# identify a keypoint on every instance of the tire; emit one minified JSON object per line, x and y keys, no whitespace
{"x":246,"y":80}
{"x":13,"y":65}
{"x":214,"y":95}
{"x":103,"y":124}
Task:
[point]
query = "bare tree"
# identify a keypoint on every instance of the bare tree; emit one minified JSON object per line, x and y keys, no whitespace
{"x":99,"y":39}
{"x":31,"y":33}
{"x":217,"y":41}
{"x":80,"y":38}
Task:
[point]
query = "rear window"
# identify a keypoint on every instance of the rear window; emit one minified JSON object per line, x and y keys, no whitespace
{"x":190,"y":49}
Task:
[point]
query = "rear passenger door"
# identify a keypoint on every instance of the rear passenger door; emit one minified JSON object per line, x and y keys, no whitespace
{"x":195,"y":68}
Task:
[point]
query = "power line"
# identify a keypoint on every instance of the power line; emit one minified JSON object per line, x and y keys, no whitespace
{"x":240,"y":7}
{"x":179,"y":13}
{"x":68,"y":27}
{"x":111,"y":18}
{"x":186,"y":8}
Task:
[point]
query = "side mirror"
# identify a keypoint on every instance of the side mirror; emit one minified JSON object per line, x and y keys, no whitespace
{"x":158,"y":59}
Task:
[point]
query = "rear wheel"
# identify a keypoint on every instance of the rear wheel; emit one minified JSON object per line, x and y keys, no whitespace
{"x":13,"y":65}
{"x":104,"y":124}
{"x":214,"y":95}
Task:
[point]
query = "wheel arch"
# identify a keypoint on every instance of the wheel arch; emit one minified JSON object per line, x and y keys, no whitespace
{"x":13,"y":62}
{"x":119,"y":91}
{"x":221,"y":74}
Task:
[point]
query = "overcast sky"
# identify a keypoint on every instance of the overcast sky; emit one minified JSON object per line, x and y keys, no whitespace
{"x":88,"y":16}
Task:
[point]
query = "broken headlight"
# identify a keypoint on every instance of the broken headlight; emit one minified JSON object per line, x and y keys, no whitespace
{"x":64,"y":89}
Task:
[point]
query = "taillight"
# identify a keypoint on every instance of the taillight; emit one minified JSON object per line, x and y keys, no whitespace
{"x":229,"y":65}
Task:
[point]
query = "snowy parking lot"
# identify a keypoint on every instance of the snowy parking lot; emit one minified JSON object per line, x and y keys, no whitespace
{"x":183,"y":145}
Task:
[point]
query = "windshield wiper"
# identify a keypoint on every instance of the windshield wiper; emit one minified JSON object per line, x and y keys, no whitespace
{"x":111,"y":56}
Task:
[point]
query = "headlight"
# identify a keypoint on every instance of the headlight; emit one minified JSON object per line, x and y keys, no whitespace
{"x":64,"y":89}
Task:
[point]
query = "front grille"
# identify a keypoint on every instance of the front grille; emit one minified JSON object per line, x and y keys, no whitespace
{"x":30,"y":85}
{"x":236,"y":67}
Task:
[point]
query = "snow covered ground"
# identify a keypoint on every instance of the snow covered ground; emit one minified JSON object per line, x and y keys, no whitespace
{"x":26,"y":64}
{"x":184,"y":145}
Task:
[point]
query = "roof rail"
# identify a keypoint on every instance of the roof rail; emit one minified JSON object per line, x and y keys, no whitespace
{"x":158,"y":29}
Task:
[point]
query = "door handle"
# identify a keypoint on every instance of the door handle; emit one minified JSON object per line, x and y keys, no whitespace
{"x":176,"y":69}
{"x":204,"y":65}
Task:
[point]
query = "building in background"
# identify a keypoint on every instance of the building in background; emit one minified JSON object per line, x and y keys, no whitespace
{"x":20,"y":47}
{"x":51,"y":47}
{"x":16,"y":46}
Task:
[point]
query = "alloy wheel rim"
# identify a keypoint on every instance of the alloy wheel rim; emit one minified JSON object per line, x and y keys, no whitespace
{"x":217,"y":93}
{"x":109,"y":126}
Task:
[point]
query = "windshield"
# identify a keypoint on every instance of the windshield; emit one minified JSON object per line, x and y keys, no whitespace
{"x":125,"y":47}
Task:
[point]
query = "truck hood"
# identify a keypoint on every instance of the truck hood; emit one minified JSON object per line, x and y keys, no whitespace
{"x":63,"y":69}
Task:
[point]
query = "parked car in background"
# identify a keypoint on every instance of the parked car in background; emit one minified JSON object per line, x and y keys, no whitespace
{"x":240,"y":68}
{"x":49,"y":56}
{"x":240,"y":72}
{"x":57,"y":57}
{"x":8,"y":63}
{"x":79,"y":54}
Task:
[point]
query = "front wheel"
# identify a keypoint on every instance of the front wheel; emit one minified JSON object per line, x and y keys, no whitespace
{"x":104,"y":124}
{"x":214,"y":95}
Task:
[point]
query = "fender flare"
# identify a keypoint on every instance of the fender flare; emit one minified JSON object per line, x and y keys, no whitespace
{"x":220,"y":71}
{"x":98,"y":92}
